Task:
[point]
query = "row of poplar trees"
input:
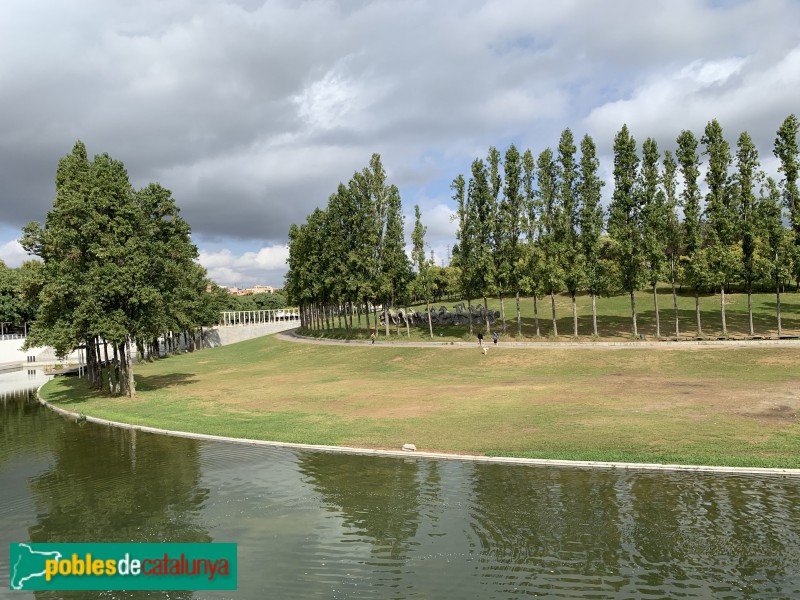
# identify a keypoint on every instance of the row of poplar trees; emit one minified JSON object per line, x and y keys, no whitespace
{"x":546,"y":232}
{"x":118,"y":270}
{"x":536,"y":225}
{"x":351,"y":254}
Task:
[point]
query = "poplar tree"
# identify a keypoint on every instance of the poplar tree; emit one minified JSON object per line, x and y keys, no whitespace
{"x":482,"y":216}
{"x":532,"y":280}
{"x":512,"y":211}
{"x":422,"y":264}
{"x":569,"y":224}
{"x":625,"y":218}
{"x":499,"y":236}
{"x":549,"y":232}
{"x":744,"y":181}
{"x":395,"y":266}
{"x":776,"y":240}
{"x":786,"y":150}
{"x":694,"y":260}
{"x":591,"y":221}
{"x":719,"y":213}
{"x":654,"y":220}
{"x":463,"y":251}
{"x":673,"y":234}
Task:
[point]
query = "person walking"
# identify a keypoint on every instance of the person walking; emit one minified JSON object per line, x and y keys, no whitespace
{"x":494,"y":338}
{"x":372,"y":336}
{"x":480,"y":338}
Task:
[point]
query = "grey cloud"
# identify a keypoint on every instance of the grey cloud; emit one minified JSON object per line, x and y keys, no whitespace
{"x":252,"y":112}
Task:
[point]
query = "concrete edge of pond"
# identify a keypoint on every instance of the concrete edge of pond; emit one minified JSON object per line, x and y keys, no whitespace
{"x":541,"y":462}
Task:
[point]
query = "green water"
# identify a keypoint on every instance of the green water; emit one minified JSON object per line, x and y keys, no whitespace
{"x":316,"y":525}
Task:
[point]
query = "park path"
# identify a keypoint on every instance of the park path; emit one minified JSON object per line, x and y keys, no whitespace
{"x":292,"y":336}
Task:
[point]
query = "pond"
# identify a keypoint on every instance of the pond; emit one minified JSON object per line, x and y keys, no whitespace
{"x":318,"y":525}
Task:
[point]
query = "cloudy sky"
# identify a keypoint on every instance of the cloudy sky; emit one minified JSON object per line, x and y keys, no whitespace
{"x":251,"y":112}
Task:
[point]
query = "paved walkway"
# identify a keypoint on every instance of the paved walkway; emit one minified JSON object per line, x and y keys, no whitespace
{"x":293,"y":336}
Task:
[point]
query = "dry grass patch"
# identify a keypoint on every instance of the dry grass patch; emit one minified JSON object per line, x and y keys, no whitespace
{"x":697,"y":405}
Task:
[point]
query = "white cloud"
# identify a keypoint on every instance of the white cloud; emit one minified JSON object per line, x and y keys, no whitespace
{"x":13,"y":254}
{"x":737,"y":91}
{"x":266,"y":267}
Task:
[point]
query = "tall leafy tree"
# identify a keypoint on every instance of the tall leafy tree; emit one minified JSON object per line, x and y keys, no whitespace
{"x":531,"y":280}
{"x":551,"y":274}
{"x":117,"y":267}
{"x":591,"y":221}
{"x":463,"y":251}
{"x":625,"y":218}
{"x":719,"y":213}
{"x":482,"y":215}
{"x":777,"y":241}
{"x":395,"y":266}
{"x":654,"y":221}
{"x":694,"y":269}
{"x":422,"y":264}
{"x":744,"y":180}
{"x":511,"y":217}
{"x":786,"y":150}
{"x":499,"y":241}
{"x":571,"y":255}
{"x":673,"y":237}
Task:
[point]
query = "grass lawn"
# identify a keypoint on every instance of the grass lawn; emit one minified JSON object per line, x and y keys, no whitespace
{"x":712,"y":406}
{"x":614,"y":317}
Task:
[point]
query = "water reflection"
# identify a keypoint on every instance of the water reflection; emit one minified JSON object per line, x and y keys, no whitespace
{"x":317,"y":525}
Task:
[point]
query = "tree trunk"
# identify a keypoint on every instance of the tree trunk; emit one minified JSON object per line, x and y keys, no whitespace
{"x":536,"y":315}
{"x":633,"y":315}
{"x":722,"y":310}
{"x":129,"y":368}
{"x":430,"y":323}
{"x":386,"y":315}
{"x":108,"y":369}
{"x":697,"y":311}
{"x":117,"y":386}
{"x":574,"y":316}
{"x":366,"y":316}
{"x":594,"y":314}
{"x":519,"y":318}
{"x":123,"y":371}
{"x":750,"y":307}
{"x":778,"y":305}
{"x":658,"y":318}
{"x":675,"y":307}
{"x":553,"y":305}
{"x":469,"y":314}
{"x":503,"y":312}
{"x":486,"y":313}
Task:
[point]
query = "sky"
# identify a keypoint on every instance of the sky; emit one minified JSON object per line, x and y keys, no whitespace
{"x":252,"y":112}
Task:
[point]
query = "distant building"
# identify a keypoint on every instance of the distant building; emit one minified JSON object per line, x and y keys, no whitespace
{"x":256,"y":289}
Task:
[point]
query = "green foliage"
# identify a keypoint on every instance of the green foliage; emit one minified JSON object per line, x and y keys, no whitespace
{"x":269,"y":301}
{"x":625,"y":212}
{"x":117,"y":264}
{"x":655,"y":213}
{"x":591,"y":214}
